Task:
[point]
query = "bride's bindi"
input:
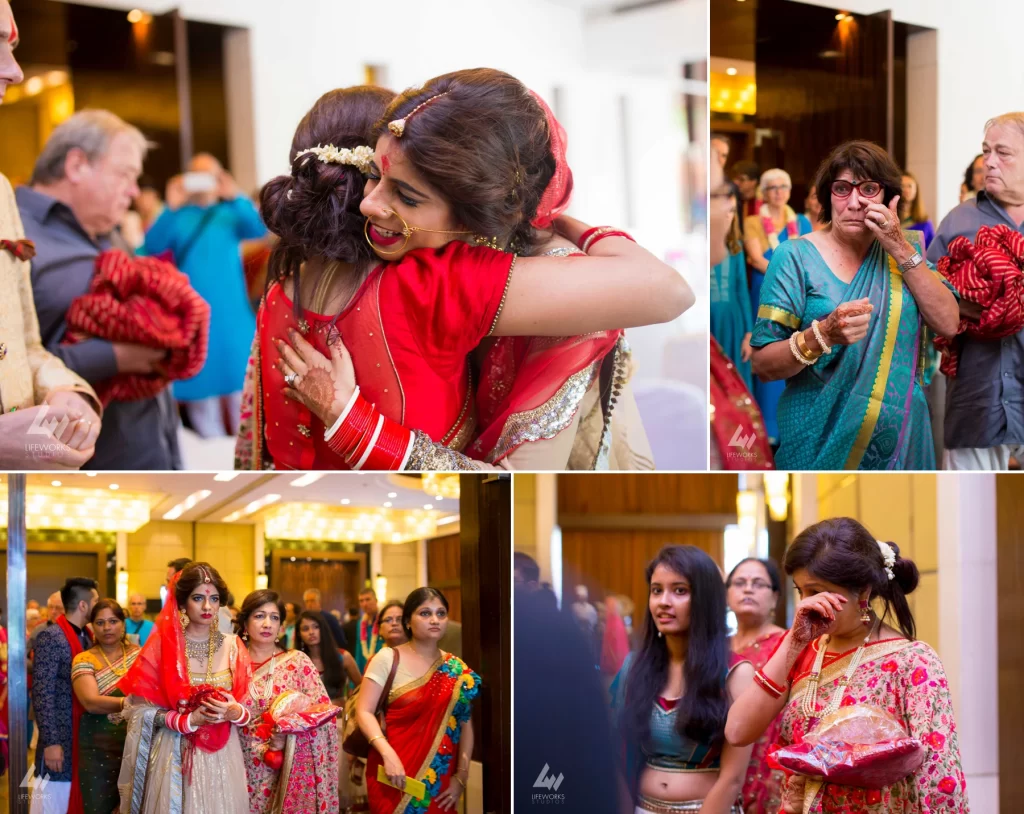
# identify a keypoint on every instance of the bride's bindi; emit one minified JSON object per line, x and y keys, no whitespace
{"x":385,"y":163}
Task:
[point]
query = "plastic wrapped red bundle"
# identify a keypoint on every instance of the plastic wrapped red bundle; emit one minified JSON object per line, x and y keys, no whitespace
{"x":989,"y":272}
{"x":859,"y":746}
{"x":292,"y":713}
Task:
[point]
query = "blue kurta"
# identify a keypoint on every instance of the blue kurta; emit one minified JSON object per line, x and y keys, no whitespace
{"x":214,"y":267}
{"x":731,"y":314}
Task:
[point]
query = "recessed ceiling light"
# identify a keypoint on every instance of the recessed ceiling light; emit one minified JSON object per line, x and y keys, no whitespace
{"x":392,"y":494}
{"x":345,"y":501}
{"x":55,"y":483}
{"x":438,"y":498}
{"x":91,"y":474}
{"x":224,"y":477}
{"x":114,"y":486}
{"x":731,"y":71}
{"x":387,"y":504}
{"x":428,"y":506}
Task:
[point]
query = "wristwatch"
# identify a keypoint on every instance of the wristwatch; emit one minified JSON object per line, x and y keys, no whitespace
{"x":915,"y":260}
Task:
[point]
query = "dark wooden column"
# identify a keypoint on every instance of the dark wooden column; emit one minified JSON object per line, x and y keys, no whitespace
{"x":486,"y":569}
{"x":17,"y":673}
{"x":1010,"y":621}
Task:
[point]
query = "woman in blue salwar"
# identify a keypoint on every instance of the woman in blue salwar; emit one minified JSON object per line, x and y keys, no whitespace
{"x":843,"y":318}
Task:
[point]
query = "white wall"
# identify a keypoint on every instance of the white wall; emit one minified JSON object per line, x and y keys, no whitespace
{"x":979,"y":72}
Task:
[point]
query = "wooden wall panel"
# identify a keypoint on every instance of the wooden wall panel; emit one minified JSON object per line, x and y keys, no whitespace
{"x":338,"y":576}
{"x":654,"y":493}
{"x":444,"y":571}
{"x":1010,"y":615}
{"x":614,"y":562}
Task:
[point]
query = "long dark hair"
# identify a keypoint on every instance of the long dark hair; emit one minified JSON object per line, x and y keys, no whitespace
{"x":333,"y":676}
{"x":315,"y":210}
{"x":841,"y":551}
{"x":704,"y":706}
{"x":195,"y":574}
{"x":484,"y":146}
{"x":414,"y":600}
{"x":255,"y":601}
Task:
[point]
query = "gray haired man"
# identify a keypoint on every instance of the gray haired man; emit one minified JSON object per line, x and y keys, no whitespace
{"x":81,"y":187}
{"x":985,"y":401}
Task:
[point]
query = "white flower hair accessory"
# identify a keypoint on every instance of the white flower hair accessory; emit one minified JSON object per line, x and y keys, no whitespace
{"x":358,"y":157}
{"x":888,"y":557}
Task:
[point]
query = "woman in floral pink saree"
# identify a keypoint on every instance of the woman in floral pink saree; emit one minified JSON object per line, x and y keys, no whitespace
{"x":303,"y":779}
{"x":839,"y":658}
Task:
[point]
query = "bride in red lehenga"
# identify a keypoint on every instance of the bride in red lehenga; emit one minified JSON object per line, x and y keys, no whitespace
{"x":184,"y":707}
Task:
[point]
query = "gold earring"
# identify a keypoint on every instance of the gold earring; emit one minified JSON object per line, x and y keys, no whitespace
{"x":183,"y":619}
{"x":865,"y":612}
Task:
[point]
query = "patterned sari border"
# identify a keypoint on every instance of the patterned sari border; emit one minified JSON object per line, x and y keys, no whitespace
{"x":289,"y":655}
{"x":281,"y":794}
{"x":779,"y":315}
{"x":398,"y":692}
{"x":892,"y":325}
{"x":456,"y":692}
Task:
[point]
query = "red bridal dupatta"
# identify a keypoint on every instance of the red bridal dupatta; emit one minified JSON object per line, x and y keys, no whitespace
{"x":160,"y":676}
{"x":77,"y":710}
{"x":424,"y":724}
{"x":532,"y":386}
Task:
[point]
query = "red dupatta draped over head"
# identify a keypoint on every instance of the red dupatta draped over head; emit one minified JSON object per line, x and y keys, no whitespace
{"x":160,"y":674}
{"x":522,"y":374}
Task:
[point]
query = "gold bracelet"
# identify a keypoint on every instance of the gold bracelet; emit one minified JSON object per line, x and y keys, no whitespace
{"x":375,"y":738}
{"x":805,"y":349}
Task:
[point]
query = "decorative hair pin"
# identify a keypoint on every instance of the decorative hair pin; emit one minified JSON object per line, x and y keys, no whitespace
{"x":358,"y":157}
{"x":888,"y":557}
{"x":397,"y":127}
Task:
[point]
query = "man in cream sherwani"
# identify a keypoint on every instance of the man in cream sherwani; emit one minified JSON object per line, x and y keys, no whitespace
{"x":48,"y":414}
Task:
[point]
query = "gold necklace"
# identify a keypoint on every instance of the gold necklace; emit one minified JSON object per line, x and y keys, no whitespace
{"x":124,"y":659}
{"x":195,"y":650}
{"x":809,"y":702}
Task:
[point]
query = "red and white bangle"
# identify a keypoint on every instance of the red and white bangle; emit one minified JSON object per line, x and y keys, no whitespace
{"x":245,"y":718}
{"x":598,"y":233}
{"x":179,"y":722}
{"x":769,"y":686}
{"x":366,"y":439}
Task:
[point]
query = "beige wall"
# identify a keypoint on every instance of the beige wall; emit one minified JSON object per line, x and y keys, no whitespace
{"x":230,"y":548}
{"x":524,"y":508}
{"x":900,"y":508}
{"x":150,"y":549}
{"x":398,"y":564}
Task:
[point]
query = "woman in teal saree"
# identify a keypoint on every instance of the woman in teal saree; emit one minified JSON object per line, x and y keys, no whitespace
{"x":843,"y":318}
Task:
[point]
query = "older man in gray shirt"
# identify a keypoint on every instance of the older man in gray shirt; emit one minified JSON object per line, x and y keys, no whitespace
{"x":82,"y":185}
{"x":985,"y":400}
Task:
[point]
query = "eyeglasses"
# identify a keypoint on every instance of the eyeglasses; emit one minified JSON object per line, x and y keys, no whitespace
{"x":780,"y":188}
{"x":391,"y":620}
{"x":868,"y":189}
{"x":756,"y":584}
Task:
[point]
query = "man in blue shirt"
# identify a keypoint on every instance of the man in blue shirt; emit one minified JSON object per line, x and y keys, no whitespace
{"x":135,"y":626}
{"x":82,"y":185}
{"x":985,"y":400}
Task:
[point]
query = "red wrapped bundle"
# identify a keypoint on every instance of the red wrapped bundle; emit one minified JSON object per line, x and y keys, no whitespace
{"x":292,"y":713}
{"x":989,"y":272}
{"x":860,"y":746}
{"x":143,"y":301}
{"x":209,"y":738}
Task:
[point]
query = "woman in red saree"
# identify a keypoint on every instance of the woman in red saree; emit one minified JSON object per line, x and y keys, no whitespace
{"x":752,"y":591}
{"x":450,"y":183}
{"x":182,"y":754}
{"x":306,"y":782}
{"x":428,"y":734}
{"x":840,"y":654}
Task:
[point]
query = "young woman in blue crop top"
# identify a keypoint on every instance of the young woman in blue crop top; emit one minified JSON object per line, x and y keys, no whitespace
{"x":673,"y":694}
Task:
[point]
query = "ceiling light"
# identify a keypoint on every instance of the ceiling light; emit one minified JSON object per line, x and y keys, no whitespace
{"x":308,"y":478}
{"x":226,"y":477}
{"x":231,"y":518}
{"x":731,"y":71}
{"x":91,"y":474}
{"x":114,"y":486}
{"x":72,"y":509}
{"x":392,"y":494}
{"x":387,"y":504}
{"x":345,"y":501}
{"x":55,"y":483}
{"x":187,"y":504}
{"x":428,"y":506}
{"x":436,"y":483}
{"x":444,"y":521}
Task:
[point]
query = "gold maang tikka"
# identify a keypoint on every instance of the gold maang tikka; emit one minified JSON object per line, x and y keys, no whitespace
{"x":397,"y":127}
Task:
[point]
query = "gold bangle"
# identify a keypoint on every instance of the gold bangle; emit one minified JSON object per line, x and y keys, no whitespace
{"x":805,"y":349}
{"x":375,"y":738}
